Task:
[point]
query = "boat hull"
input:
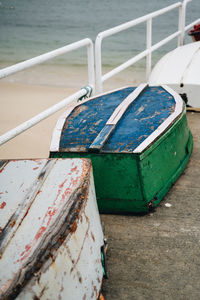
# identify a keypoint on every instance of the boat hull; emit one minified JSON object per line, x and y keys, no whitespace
{"x":179,"y":70}
{"x":51,"y":235}
{"x":137,"y":182}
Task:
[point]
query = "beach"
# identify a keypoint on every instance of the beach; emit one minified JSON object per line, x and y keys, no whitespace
{"x":19,"y":102}
{"x":24,"y":95}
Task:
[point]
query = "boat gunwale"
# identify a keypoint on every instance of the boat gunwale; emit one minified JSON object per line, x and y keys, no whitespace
{"x":179,"y":108}
{"x":163,"y":127}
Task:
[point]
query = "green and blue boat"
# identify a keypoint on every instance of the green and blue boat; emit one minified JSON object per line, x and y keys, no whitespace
{"x":138,"y":140}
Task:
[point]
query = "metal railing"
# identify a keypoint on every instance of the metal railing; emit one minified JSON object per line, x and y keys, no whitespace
{"x":43,"y":115}
{"x":98,"y":61}
{"x":40,"y":59}
{"x":149,"y":48}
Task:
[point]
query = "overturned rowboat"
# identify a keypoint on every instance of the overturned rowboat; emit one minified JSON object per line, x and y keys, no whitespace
{"x":179,"y":70}
{"x":51,"y":236}
{"x":138,"y":140}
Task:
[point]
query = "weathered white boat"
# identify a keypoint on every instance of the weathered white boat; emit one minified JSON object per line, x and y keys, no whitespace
{"x":51,"y":235}
{"x":180,"y":70}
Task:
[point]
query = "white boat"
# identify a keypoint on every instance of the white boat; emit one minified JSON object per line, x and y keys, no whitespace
{"x":51,"y":236}
{"x":180,"y":70}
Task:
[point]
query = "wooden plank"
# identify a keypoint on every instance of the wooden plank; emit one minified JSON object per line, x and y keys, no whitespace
{"x":122,"y":107}
{"x":105,"y":133}
{"x":101,"y":138}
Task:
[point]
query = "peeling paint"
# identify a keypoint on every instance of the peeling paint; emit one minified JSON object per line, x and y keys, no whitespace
{"x":39,"y":253}
{"x":2,"y":205}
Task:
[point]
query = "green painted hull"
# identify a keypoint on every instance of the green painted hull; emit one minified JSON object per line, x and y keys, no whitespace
{"x":134,"y":183}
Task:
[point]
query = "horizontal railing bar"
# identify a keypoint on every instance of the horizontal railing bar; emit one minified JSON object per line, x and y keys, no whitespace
{"x":139,"y":56}
{"x":137,"y":21}
{"x":44,"y":57}
{"x":165,"y":41}
{"x":125,"y":65}
{"x":192,"y":24}
{"x":43,"y":115}
{"x":101,"y":78}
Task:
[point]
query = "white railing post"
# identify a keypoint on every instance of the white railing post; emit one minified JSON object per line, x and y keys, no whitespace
{"x":98,"y":64}
{"x":149,"y":44}
{"x":91,"y":74}
{"x":180,"y":37}
{"x":182,"y":16}
{"x":104,"y":34}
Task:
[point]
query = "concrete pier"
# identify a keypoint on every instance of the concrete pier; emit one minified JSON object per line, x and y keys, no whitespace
{"x":157,"y":256}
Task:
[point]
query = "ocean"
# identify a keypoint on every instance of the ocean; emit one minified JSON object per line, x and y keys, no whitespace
{"x":32,"y":27}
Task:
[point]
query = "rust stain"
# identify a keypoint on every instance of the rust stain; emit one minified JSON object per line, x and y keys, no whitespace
{"x":35,"y":168}
{"x":74,"y":227}
{"x":51,"y":213}
{"x":2,"y":205}
{"x":80,"y":279}
{"x":84,"y":297}
{"x":95,"y":290}
{"x":92,"y":235}
{"x":24,"y":253}
{"x":79,"y":255}
{"x":27,"y":212}
{"x":40,"y":232}
{"x":53,"y":210}
{"x":48,"y":216}
{"x":28,"y":247}
{"x":38,"y":192}
{"x":74,"y":169}
{"x":101,"y":297}
{"x":13,"y":223}
{"x":53,"y":264}
{"x":61,"y":239}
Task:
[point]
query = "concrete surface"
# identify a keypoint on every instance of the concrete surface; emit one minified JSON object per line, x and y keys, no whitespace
{"x":157,"y":256}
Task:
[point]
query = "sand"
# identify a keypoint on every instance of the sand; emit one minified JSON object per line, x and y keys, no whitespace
{"x":22,"y":98}
{"x":20,"y":102}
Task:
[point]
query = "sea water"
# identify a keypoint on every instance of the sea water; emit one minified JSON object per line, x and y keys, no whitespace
{"x":32,"y":27}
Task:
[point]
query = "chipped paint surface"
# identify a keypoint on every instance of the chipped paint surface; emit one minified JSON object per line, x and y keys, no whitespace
{"x":16,"y":187}
{"x":61,"y":252}
{"x":135,"y":120}
{"x":84,"y":124}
